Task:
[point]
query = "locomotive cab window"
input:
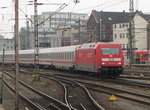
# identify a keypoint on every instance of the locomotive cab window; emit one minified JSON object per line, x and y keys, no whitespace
{"x":107,"y":51}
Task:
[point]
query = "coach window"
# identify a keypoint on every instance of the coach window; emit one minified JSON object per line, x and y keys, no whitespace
{"x":53,"y":55}
{"x":66,"y":55}
{"x":69,"y":55}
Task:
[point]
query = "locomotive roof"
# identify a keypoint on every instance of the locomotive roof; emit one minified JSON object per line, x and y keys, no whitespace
{"x":87,"y":46}
{"x":93,"y":45}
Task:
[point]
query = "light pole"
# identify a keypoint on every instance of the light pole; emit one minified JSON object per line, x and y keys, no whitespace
{"x":2,"y":78}
{"x":17,"y":54}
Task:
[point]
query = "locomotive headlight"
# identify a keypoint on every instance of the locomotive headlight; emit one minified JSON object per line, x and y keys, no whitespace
{"x":119,"y":63}
{"x":103,"y":63}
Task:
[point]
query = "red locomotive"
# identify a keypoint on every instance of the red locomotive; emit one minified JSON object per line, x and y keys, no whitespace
{"x":99,"y":58}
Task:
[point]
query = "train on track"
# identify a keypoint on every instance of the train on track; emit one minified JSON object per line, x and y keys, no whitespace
{"x":97,"y":58}
{"x":140,"y":56}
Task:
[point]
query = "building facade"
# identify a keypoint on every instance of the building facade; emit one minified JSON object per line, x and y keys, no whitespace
{"x":100,"y":24}
{"x":7,"y":44}
{"x":141,"y":22}
{"x":121,"y":34}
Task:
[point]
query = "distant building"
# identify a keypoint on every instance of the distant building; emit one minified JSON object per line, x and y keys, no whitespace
{"x":7,"y":44}
{"x":141,"y":40}
{"x":74,"y":34}
{"x":47,"y":38}
{"x":56,"y":19}
{"x":100,"y":24}
{"x":47,"y":30}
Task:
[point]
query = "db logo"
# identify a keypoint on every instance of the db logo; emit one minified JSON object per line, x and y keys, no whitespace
{"x":111,"y":59}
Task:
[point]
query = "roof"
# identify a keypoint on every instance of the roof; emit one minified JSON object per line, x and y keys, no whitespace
{"x":114,"y":17}
{"x":145,"y":16}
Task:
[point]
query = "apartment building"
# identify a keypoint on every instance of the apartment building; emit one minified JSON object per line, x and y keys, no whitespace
{"x":100,"y":24}
{"x":141,"y":22}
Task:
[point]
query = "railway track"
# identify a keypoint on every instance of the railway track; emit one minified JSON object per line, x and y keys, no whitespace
{"x":135,"y":77}
{"x":137,"y":72}
{"x":125,"y":94}
{"x":118,"y":92}
{"x":122,"y":80}
{"x":78,"y":96}
{"x":83,"y":101}
{"x":40,"y":101}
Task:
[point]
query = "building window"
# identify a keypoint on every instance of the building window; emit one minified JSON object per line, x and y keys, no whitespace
{"x":127,"y":25}
{"x":123,"y":46}
{"x":120,"y":35}
{"x":127,"y":46}
{"x":115,"y":36}
{"x":115,"y":26}
{"x":120,"y":26}
{"x":123,"y":35}
{"x":127,"y":35}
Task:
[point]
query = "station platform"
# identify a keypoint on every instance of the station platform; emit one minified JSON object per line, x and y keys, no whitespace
{"x":1,"y":107}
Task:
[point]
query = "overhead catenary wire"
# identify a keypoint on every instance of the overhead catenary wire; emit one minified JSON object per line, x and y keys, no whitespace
{"x":59,"y":9}
{"x":103,"y":4}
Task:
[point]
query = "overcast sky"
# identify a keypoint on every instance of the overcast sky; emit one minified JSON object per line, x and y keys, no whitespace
{"x":85,"y":6}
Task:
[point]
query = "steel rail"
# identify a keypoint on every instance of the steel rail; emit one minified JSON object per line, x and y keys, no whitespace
{"x":95,"y":85}
{"x":63,"y":105}
{"x":31,"y":103}
{"x":125,"y":91}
